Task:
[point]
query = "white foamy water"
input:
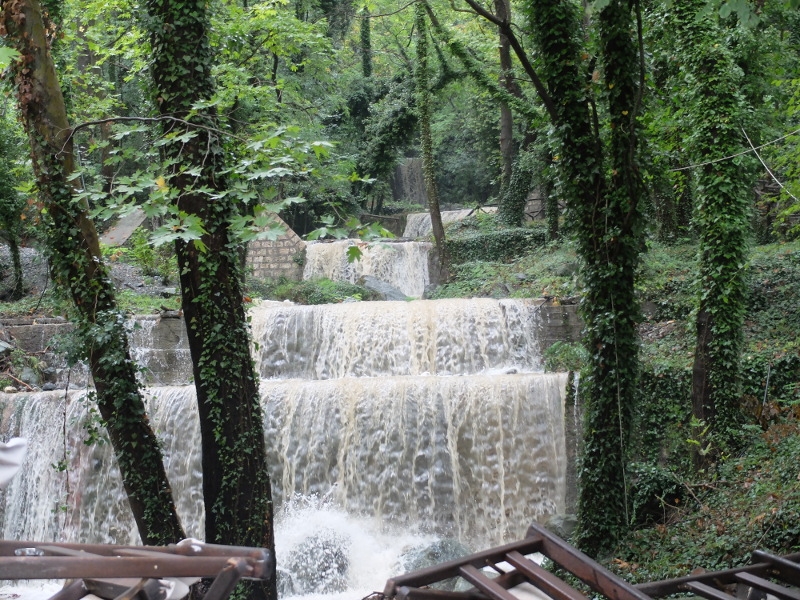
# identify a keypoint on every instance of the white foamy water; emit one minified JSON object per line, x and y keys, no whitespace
{"x":373,"y":339}
{"x":418,"y":225}
{"x":373,"y":549}
{"x":414,"y":421}
{"x":403,"y":265}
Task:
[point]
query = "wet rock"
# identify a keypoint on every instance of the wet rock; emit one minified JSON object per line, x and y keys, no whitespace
{"x":31,"y":376}
{"x":49,"y":387}
{"x":318,"y":565}
{"x":5,"y":349}
{"x":10,"y":389}
{"x":387,"y":291}
{"x":437,"y":552}
{"x":562,"y":525}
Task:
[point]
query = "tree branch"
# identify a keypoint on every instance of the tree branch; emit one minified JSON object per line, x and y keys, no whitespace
{"x":87,"y":124}
{"x":506,"y":30}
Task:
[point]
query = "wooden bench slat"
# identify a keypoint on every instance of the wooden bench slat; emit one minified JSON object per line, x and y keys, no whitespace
{"x":542,"y":579}
{"x":488,"y":586}
{"x":707,"y":591}
{"x":770,"y":587}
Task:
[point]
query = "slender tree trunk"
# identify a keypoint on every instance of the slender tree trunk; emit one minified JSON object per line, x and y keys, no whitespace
{"x":366,"y":43}
{"x":423,"y":95}
{"x":502,"y":10}
{"x":77,"y":265}
{"x":236,"y":486}
{"x":17,"y":290}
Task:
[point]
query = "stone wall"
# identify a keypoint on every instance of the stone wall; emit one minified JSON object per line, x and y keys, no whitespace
{"x":283,"y":257}
{"x":560,"y":323}
{"x":158,"y":344}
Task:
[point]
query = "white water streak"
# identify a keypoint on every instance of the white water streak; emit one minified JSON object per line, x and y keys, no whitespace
{"x":372,"y":339}
{"x":403,"y":265}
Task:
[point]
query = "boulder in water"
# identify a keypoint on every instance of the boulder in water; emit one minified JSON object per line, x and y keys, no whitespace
{"x":562,"y":525}
{"x":428,"y":555}
{"x":387,"y":291}
{"x":318,"y":565}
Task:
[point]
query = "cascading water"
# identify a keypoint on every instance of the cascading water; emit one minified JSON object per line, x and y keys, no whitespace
{"x":430,"y":418}
{"x":403,"y":265}
{"x":418,"y":225}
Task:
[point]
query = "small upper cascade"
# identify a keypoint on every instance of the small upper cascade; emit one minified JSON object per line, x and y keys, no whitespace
{"x":402,"y":264}
{"x":160,"y":347}
{"x":418,"y":225}
{"x":377,"y":339}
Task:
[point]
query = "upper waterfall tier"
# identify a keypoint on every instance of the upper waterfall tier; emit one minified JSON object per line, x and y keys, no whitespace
{"x":403,"y":265}
{"x":418,"y":225}
{"x":373,"y":339}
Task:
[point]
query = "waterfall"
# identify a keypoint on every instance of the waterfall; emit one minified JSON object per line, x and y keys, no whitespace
{"x":418,"y":225}
{"x":372,"y":339}
{"x":428,"y":418}
{"x":403,"y":265}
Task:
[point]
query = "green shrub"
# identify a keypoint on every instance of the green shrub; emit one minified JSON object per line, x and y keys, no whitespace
{"x":500,"y":245}
{"x":565,"y":356}
{"x":315,"y":291}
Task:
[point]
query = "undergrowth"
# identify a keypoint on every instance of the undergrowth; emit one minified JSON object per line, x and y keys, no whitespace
{"x":716,"y":520}
{"x":316,"y":291}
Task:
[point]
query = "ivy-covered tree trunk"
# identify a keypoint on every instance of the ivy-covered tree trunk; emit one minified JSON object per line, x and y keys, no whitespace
{"x":77,"y":265}
{"x":515,"y":195}
{"x":366,"y":43}
{"x":423,"y":97}
{"x":604,"y":216}
{"x":236,"y":486}
{"x":722,"y":192}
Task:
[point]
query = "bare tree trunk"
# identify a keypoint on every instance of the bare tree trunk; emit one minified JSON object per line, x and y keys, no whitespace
{"x":77,"y":265}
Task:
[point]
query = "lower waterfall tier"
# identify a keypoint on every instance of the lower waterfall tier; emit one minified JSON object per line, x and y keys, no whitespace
{"x":472,"y":457}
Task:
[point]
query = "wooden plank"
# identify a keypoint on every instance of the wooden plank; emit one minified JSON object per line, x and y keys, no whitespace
{"x":787,"y":569}
{"x":597,"y":577}
{"x":184,"y":548}
{"x":412,"y":593}
{"x":428,"y":575}
{"x":765,"y":585}
{"x":74,"y":591}
{"x":112,"y":589}
{"x":667,"y":587}
{"x":227,"y":579}
{"x":707,"y":591}
{"x":542,"y":579}
{"x":105,"y":567}
{"x":488,"y":586}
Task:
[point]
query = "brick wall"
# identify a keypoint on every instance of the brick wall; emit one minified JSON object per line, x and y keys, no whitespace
{"x":282,"y":258}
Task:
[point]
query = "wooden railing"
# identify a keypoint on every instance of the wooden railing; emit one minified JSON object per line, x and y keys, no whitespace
{"x":127,"y":572}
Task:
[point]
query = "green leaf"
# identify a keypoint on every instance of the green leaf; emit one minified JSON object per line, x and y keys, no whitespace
{"x":354,"y":253}
{"x":7,"y":55}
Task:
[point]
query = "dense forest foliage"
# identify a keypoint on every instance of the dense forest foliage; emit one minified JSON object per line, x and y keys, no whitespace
{"x":639,"y":124}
